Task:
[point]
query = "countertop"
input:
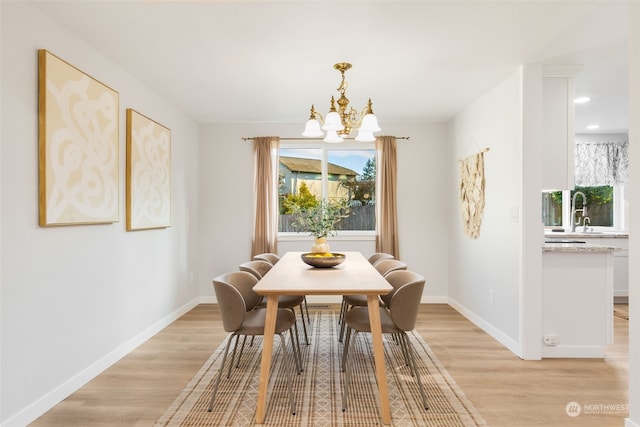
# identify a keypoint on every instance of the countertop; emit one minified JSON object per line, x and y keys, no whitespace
{"x":576,"y":247}
{"x":580,"y":241}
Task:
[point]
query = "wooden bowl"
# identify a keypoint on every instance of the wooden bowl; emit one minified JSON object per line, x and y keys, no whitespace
{"x":323,"y":260}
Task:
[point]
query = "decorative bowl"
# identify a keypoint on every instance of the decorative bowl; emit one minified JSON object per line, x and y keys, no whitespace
{"x":323,"y":260}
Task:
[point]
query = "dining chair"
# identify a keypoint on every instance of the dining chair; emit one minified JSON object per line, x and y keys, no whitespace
{"x":378,"y":256}
{"x":267,"y":256}
{"x":273,"y":259}
{"x":232,"y":295}
{"x":259,"y":268}
{"x":384,"y":267}
{"x":403,"y":303}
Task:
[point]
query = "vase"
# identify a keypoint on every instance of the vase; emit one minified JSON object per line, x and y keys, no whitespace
{"x":320,"y":245}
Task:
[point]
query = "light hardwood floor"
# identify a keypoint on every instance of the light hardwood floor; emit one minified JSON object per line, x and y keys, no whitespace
{"x":505,"y":389}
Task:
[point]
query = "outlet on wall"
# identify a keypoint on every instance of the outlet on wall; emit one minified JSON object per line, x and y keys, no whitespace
{"x":551,"y":339}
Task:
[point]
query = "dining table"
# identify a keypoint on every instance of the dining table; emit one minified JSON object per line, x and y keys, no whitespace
{"x":354,"y":276}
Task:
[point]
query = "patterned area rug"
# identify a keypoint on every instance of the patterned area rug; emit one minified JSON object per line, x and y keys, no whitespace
{"x":318,"y":390}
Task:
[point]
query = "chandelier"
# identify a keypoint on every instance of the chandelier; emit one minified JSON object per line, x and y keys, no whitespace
{"x":339,"y":123}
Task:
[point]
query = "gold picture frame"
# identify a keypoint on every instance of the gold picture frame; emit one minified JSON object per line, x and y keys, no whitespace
{"x":148,"y":173}
{"x":78,"y":160}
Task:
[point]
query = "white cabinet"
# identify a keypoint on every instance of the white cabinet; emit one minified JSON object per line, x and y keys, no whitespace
{"x":558,"y":133}
{"x":577,"y":308}
{"x":620,"y":263}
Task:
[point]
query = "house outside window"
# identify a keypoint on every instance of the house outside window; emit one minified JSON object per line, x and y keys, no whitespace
{"x":310,"y":173}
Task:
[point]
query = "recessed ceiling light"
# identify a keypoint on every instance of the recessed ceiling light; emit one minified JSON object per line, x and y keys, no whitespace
{"x":593,"y":127}
{"x":582,"y":100}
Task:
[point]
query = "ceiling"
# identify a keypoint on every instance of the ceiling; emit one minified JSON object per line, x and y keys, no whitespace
{"x":419,"y":61}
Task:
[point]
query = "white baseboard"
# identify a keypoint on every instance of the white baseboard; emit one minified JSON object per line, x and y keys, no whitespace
{"x":573,"y":351}
{"x":487,"y":327}
{"x":55,"y":396}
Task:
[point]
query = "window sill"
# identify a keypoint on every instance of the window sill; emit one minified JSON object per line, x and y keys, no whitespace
{"x":341,"y":236}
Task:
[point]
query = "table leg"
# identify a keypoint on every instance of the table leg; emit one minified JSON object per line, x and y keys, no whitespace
{"x":267,"y":350}
{"x":378,"y":354}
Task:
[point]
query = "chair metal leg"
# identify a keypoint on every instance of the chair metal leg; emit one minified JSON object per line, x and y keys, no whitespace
{"x":304,"y":325}
{"x":342,"y":325}
{"x":244,"y":340}
{"x":341,"y":315}
{"x":415,"y":369}
{"x":345,"y":367}
{"x":306,"y":308}
{"x":296,"y":350}
{"x":297,"y":336}
{"x":287,"y":368}
{"x":224,"y":358}
{"x":405,"y":354}
{"x":233,"y":356}
{"x":345,"y":350}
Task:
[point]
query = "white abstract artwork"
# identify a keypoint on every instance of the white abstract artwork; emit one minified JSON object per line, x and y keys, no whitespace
{"x":148,"y":173}
{"x":78,"y":146}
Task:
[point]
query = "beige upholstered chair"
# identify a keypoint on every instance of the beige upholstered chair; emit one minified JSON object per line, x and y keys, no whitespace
{"x":384,"y":267}
{"x":403,"y":303}
{"x":261,"y":267}
{"x":273,"y":259}
{"x":378,"y":256}
{"x":234,"y":299}
{"x":257,"y":267}
{"x":268,"y":256}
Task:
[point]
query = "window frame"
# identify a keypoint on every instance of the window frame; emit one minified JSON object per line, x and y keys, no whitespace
{"x":619,"y":211}
{"x":324,"y":148}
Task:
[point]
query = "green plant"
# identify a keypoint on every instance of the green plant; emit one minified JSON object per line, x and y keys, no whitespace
{"x":320,"y":220}
{"x":304,"y":200}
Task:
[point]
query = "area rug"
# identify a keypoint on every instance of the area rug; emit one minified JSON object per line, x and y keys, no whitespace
{"x":621,"y":311}
{"x":318,"y":389}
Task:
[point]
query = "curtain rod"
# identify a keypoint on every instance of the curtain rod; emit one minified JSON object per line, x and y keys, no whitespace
{"x":251,"y":138}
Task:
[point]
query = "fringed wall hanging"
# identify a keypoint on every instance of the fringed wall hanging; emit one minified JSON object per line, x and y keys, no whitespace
{"x":472,"y":193}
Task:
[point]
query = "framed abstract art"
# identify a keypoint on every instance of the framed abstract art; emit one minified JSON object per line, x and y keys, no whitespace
{"x":78,"y":146}
{"x":148,"y":173}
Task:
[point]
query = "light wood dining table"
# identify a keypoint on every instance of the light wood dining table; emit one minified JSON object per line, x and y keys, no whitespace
{"x":291,"y":276}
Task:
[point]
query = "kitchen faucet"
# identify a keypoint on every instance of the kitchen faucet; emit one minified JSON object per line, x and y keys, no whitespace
{"x":574,"y":210}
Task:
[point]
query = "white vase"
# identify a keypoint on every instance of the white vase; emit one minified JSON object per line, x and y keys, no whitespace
{"x":320,"y":246}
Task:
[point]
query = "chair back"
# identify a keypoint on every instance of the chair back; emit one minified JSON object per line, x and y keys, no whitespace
{"x":404,"y":300}
{"x":244,"y":282}
{"x":386,"y":266}
{"x":257,"y":268}
{"x":378,"y":256}
{"x":269,"y":257}
{"x":232,"y":306}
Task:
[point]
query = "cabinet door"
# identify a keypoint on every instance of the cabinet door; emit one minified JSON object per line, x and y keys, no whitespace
{"x":558,"y":154}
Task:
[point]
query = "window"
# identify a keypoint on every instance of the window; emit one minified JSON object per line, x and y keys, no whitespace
{"x":601,"y":208}
{"x":310,"y":173}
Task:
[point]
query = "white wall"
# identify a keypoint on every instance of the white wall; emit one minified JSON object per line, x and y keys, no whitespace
{"x":490,"y":263}
{"x":75,"y":299}
{"x":226,"y":188}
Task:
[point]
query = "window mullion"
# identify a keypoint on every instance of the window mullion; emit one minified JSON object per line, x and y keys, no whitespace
{"x":325,"y":173}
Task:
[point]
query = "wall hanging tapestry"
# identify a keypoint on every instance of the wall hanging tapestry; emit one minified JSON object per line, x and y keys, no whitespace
{"x":78,"y":146}
{"x":148,"y":173}
{"x":472,"y":193}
